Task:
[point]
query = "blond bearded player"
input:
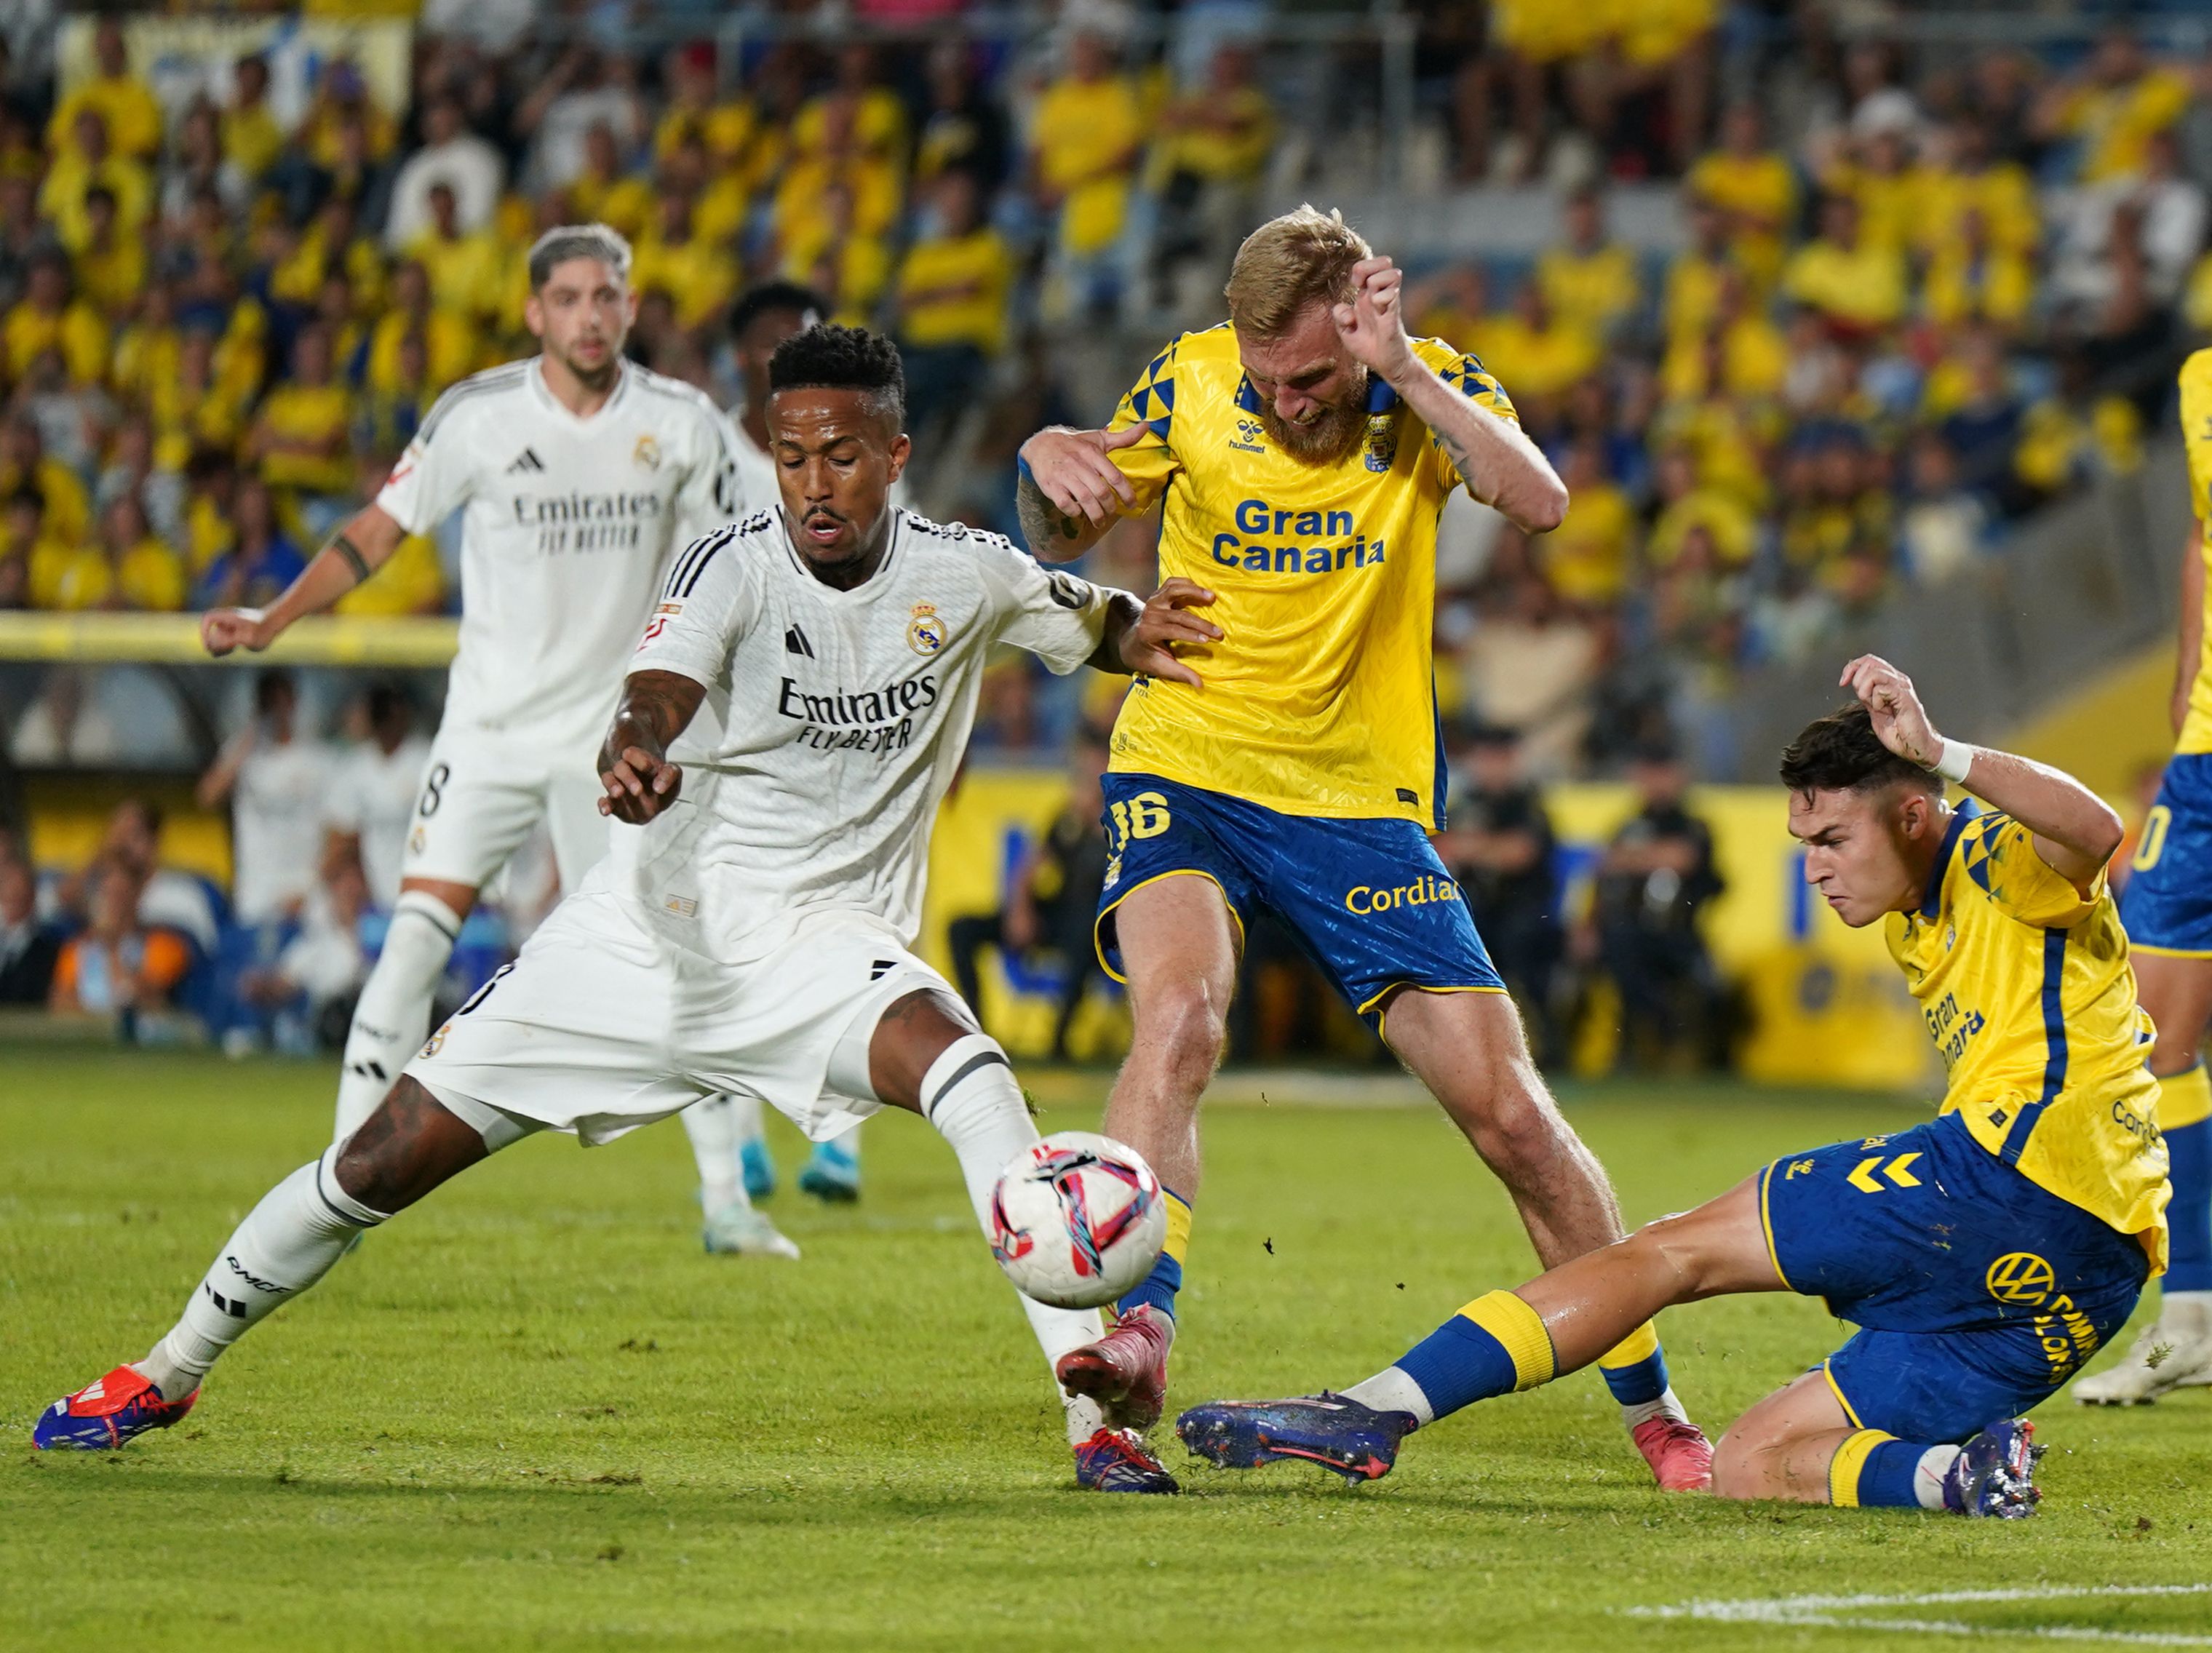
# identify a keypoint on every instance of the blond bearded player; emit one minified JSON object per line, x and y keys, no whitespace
{"x":1300,"y":454}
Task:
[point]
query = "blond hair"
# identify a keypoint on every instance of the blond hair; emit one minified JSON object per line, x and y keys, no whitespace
{"x":1301,"y":258}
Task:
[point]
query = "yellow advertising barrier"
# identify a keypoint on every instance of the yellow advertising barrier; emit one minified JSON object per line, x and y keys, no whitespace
{"x":174,"y":640}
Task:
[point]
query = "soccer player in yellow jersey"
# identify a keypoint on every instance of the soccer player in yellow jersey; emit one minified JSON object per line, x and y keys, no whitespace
{"x":1985,"y":1254}
{"x":2168,"y":909}
{"x":1300,"y":454}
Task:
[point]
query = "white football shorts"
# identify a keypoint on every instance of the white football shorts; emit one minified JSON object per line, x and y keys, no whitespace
{"x":483,"y":792}
{"x":602,"y":1025}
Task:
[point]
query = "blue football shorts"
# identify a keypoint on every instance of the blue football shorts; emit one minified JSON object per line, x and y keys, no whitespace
{"x":1977,"y":1292}
{"x":2167,"y":907}
{"x":1366,"y":900}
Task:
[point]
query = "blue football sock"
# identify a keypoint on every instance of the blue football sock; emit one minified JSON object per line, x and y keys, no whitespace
{"x":1495,"y":1344}
{"x":1872,"y":1470}
{"x":2189,"y":1214}
{"x":1636,"y":1371}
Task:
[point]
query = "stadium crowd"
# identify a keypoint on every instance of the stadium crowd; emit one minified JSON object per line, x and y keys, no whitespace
{"x":1913,"y":298}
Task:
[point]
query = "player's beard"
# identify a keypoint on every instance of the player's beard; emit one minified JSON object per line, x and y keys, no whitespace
{"x":1330,"y":437}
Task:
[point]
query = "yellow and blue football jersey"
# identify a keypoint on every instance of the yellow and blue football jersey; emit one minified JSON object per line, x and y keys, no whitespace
{"x":2025,"y":984}
{"x":1318,"y":700}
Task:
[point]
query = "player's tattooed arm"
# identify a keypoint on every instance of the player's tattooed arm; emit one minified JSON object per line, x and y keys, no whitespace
{"x":1071,"y":491}
{"x":656,"y":706}
{"x":358,"y":550}
{"x":1144,"y":638}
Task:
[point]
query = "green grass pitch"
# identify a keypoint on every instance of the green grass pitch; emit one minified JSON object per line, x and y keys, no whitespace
{"x":532,"y":1413}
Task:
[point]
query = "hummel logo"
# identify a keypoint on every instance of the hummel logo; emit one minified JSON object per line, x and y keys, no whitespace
{"x":794,"y":643}
{"x":526,"y":460}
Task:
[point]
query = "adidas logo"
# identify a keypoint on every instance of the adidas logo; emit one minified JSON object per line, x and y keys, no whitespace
{"x":526,"y":460}
{"x":794,"y":643}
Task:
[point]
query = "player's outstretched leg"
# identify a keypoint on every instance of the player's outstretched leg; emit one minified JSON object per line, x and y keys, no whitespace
{"x":287,"y":1242}
{"x":733,"y":1227}
{"x":1467,"y":1048}
{"x":1559,"y":1323}
{"x":393,"y":1014}
{"x":925,"y":1055}
{"x":832,"y":1171}
{"x":1178,"y":948}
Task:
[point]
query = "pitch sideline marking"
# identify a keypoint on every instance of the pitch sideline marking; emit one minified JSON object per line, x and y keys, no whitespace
{"x":1829,"y":1612}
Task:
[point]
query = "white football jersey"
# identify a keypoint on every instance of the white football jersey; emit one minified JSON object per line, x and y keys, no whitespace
{"x":566,"y":527}
{"x":373,"y":796}
{"x":833,"y":724}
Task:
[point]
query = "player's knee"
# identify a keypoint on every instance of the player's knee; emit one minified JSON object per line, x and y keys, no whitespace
{"x":1185,"y":1023}
{"x":1518,"y":1133}
{"x":1741,"y":1468}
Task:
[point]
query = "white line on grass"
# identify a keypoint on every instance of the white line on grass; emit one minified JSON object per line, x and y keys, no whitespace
{"x":1844,"y":1613}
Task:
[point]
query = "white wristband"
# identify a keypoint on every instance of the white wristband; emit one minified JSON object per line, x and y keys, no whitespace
{"x":1955,"y":759}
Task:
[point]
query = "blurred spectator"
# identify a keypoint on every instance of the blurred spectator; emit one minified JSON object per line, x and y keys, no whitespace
{"x":310,"y":990}
{"x":299,"y":439}
{"x":117,"y":965}
{"x":169,"y":897}
{"x":2113,"y":106}
{"x":963,"y":128}
{"x":28,"y":949}
{"x":584,"y":89}
{"x":372,"y":791}
{"x":951,"y":299}
{"x":262,"y":561}
{"x":275,"y":781}
{"x":1654,"y":879}
{"x":126,"y":104}
{"x":1051,"y":898}
{"x":252,"y":137}
{"x":1498,"y":842}
{"x":1589,"y":281}
{"x":1856,"y":285}
{"x":47,"y":318}
{"x":61,"y":729}
{"x":1532,"y":666}
{"x":1941,"y":528}
{"x":1209,"y":147}
{"x":1086,"y":135}
{"x":453,"y":156}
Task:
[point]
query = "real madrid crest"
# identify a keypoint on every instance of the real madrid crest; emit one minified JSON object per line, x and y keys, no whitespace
{"x":647,"y":452}
{"x":1382,"y":440}
{"x":926,"y":633}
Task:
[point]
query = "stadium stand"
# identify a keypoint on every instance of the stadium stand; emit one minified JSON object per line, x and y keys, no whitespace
{"x":1798,"y":356}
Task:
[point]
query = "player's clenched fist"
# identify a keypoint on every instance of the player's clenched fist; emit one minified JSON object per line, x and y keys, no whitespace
{"x":1148,"y":647}
{"x":639,"y":784}
{"x":1074,"y":470}
{"x":1901,"y":722}
{"x":223,"y":630}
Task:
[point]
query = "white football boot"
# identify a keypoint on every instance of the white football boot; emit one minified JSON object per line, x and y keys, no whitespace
{"x":741,"y":1230}
{"x":2174,"y":1352}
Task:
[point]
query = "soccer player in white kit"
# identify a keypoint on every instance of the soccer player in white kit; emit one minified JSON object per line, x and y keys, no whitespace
{"x":726,"y":1131}
{"x":576,"y":472}
{"x":750,"y":934}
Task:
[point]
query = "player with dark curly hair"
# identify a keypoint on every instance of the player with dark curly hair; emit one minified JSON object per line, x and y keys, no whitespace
{"x":750,"y":930}
{"x":1986,"y":1255}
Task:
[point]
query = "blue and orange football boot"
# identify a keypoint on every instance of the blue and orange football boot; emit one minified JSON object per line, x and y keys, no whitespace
{"x":106,"y":1412}
{"x":1118,"y":1461}
{"x":1355,"y":1441}
{"x":1993,"y":1476}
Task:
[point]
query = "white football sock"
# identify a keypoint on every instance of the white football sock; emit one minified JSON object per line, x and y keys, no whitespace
{"x":969,"y":1095}
{"x":1392,"y":1391}
{"x":1928,"y":1479}
{"x":393,"y":1017}
{"x":712,"y":1125}
{"x":745,"y":1119}
{"x":1636,"y":1414}
{"x":287,"y":1242}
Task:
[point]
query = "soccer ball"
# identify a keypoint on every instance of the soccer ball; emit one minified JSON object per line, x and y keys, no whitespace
{"x":1077,"y":1220}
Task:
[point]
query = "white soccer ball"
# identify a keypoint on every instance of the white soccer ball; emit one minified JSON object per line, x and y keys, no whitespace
{"x":1077,"y":1220}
